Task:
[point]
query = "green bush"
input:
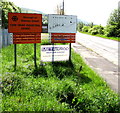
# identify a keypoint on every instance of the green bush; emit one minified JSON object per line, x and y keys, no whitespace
{"x":111,"y":30}
{"x":97,"y":29}
{"x":11,"y":82}
{"x":94,"y":32}
{"x":85,"y":28}
{"x":97,"y":102}
{"x":101,"y":31}
{"x":90,"y":30}
{"x":118,"y":32}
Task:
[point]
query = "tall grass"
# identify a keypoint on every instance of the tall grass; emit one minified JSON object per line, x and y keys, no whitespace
{"x":58,"y":86}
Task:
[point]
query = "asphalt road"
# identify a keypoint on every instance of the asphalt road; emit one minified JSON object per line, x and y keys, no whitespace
{"x":104,"y":47}
{"x":101,"y":55}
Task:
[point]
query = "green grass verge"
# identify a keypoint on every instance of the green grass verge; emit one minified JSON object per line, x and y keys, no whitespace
{"x":60,"y":86}
{"x":102,"y":36}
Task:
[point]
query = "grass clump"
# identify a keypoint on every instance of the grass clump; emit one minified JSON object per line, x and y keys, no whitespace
{"x":58,"y":86}
{"x":11,"y":82}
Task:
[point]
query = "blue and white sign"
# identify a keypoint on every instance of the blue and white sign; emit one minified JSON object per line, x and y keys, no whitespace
{"x":51,"y":53}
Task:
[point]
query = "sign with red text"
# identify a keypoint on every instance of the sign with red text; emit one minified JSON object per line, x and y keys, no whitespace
{"x":24,"y":23}
{"x":23,"y":38}
{"x":63,"y":37}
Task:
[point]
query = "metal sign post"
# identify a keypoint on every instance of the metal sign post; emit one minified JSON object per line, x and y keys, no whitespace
{"x":70,"y":53}
{"x":35,"y":56}
{"x":52,"y":52}
{"x":70,"y":43}
{"x":15,"y":56}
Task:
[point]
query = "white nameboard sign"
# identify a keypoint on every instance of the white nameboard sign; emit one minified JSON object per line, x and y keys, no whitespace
{"x":62,"y":23}
{"x":51,"y":53}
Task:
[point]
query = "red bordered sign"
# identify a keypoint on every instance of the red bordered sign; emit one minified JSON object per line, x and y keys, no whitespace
{"x":20,"y":38}
{"x":63,"y":37}
{"x":24,"y":22}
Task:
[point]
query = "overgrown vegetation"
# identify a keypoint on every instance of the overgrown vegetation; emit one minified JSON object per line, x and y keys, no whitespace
{"x":58,"y":86}
{"x":112,"y":29}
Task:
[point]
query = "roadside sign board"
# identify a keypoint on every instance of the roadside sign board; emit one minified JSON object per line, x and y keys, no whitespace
{"x":62,"y":23}
{"x":51,"y":53}
{"x":24,"y":22}
{"x":63,"y":37}
{"x":23,"y":38}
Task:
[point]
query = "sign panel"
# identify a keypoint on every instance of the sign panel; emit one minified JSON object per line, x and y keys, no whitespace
{"x":51,"y":53}
{"x":24,"y":22}
{"x":63,"y":37}
{"x":62,"y":23}
{"x":23,"y":38}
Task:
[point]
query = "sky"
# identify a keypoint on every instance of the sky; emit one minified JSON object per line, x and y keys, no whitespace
{"x":96,"y":11}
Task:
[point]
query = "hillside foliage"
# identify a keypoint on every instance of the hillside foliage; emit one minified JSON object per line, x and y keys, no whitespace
{"x":112,"y":29}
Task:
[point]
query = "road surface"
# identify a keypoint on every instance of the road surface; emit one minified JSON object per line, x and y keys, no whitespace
{"x":101,"y":55}
{"x":104,"y":47}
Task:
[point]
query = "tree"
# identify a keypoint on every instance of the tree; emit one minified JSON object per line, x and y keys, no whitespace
{"x":113,"y":24}
{"x":113,"y":19}
{"x":80,"y":25}
{"x":5,"y":8}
